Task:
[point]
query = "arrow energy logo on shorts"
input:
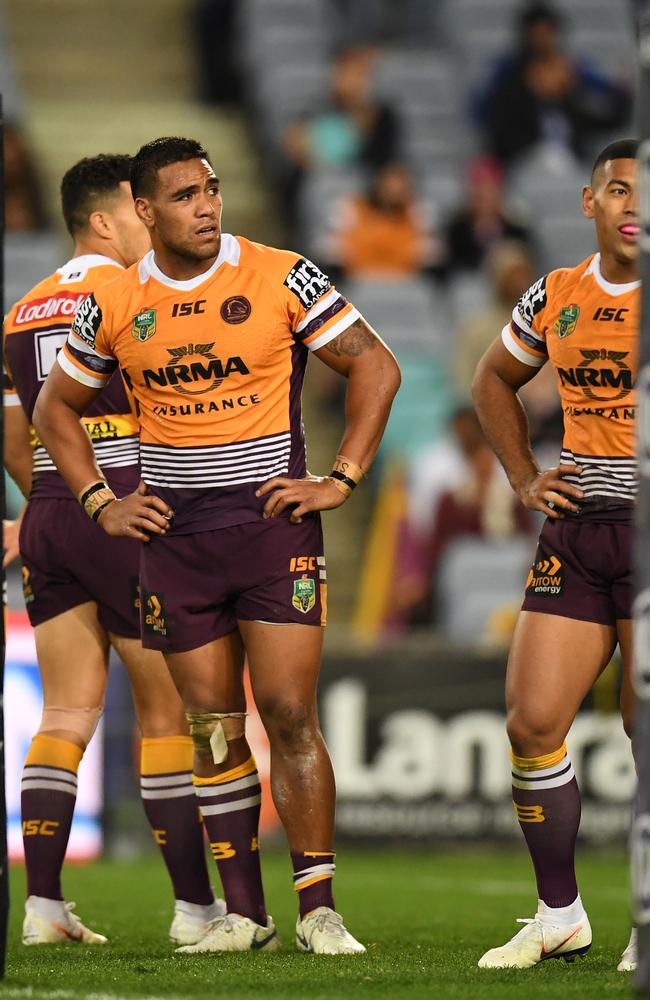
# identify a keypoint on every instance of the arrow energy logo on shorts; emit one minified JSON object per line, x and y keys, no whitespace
{"x":546,"y":578}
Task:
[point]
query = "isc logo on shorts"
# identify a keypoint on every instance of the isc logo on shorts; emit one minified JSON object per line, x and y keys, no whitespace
{"x":546,"y":578}
{"x":301,"y":563}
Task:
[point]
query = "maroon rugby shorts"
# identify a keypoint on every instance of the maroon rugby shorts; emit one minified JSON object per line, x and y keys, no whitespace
{"x":69,"y":560}
{"x":196,"y":587}
{"x":583,"y":569}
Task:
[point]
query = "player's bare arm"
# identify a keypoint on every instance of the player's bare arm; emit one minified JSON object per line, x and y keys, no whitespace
{"x":18,"y":453}
{"x":373,"y":380}
{"x":18,"y":457}
{"x":57,"y":420}
{"x":498,"y":378}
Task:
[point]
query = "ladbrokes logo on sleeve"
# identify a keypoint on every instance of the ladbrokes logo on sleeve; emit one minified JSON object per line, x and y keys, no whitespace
{"x":307,"y":282}
{"x":87,"y":320}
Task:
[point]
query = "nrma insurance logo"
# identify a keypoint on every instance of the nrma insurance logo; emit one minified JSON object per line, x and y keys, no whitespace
{"x":23,"y":701}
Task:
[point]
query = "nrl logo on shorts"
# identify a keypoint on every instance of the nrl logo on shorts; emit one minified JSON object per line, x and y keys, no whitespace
{"x":144,"y":325}
{"x":567,"y":320}
{"x":304,"y":594}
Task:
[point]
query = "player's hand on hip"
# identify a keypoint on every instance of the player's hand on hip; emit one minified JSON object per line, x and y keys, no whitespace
{"x":136,"y":516}
{"x":550,"y":487}
{"x":304,"y":495}
{"x":10,"y":532}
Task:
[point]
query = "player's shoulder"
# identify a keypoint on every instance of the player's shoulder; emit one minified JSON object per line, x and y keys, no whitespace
{"x":270,"y":261}
{"x":563,"y":279}
{"x":298,"y":274}
{"x":548,"y":287}
{"x":118,"y":290}
{"x":49,"y":301}
{"x":106,"y":304}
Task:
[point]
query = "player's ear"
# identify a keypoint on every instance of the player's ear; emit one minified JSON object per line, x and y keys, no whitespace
{"x":143,"y":211}
{"x":588,"y":201}
{"x":101,"y":223}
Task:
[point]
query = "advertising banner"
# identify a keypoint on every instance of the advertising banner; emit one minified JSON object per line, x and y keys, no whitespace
{"x":23,"y":701}
{"x":420,"y":750}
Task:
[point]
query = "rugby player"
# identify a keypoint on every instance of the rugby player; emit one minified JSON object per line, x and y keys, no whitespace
{"x":577,"y":604}
{"x":212,"y":333}
{"x":81,"y":588}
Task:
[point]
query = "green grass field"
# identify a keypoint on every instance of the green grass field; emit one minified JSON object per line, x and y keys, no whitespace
{"x":425,"y":918}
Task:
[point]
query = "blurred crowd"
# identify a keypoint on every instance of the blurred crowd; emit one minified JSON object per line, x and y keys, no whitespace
{"x":430,"y":157}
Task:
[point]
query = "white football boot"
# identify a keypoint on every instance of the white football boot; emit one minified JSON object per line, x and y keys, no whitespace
{"x":322,"y":932}
{"x":51,"y":921}
{"x":628,"y":958}
{"x":233,"y":932}
{"x":538,"y":941}
{"x":192,"y":921}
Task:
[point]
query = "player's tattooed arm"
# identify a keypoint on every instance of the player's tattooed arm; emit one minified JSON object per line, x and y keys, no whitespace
{"x":373,"y":380}
{"x":354,"y":341}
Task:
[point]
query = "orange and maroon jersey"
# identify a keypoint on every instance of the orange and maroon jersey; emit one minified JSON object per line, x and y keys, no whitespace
{"x":36,"y":328}
{"x":215,"y":365}
{"x":588,"y":328}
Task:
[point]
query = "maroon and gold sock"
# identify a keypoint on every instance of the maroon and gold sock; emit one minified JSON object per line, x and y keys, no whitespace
{"x":170,"y":805}
{"x":230,"y":807}
{"x":547,"y":804}
{"x":313,"y":872}
{"x":47,"y":801}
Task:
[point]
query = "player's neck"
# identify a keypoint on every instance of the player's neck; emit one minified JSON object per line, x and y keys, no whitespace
{"x":618,"y":272}
{"x":83,"y":247}
{"x":180,"y":268}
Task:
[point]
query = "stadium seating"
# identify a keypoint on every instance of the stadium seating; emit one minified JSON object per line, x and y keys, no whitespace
{"x":29,"y":256}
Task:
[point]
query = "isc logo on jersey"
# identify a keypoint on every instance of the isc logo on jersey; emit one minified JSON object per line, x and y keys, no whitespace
{"x":307,"y":282}
{"x":87,"y":320}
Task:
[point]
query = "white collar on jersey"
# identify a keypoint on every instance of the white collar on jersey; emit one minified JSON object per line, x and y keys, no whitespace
{"x":79,"y":266}
{"x":228,"y":253}
{"x":609,"y":286}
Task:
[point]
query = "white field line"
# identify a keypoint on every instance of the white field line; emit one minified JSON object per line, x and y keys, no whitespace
{"x":34,"y":993}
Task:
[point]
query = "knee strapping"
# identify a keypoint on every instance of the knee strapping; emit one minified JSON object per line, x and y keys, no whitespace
{"x":80,"y":721}
{"x":211,"y":732}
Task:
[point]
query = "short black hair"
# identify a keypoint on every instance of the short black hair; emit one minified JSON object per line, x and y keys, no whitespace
{"x":88,"y":182}
{"x":538,"y":12}
{"x":621,"y":149}
{"x":159,"y":153}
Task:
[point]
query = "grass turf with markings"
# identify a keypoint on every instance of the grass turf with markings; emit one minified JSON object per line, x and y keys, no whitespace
{"x":425,"y":918}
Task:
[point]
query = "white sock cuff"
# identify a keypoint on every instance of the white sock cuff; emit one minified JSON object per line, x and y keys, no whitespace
{"x":196,"y":911}
{"x":49,"y":909}
{"x":561,"y":915}
{"x":542,"y":778}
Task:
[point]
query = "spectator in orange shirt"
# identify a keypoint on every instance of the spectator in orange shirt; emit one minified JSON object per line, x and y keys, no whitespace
{"x":379,"y":233}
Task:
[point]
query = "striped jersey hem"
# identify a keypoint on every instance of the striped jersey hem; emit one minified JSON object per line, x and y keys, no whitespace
{"x":603,"y":476}
{"x":216,"y":465}
{"x":109,"y":454}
